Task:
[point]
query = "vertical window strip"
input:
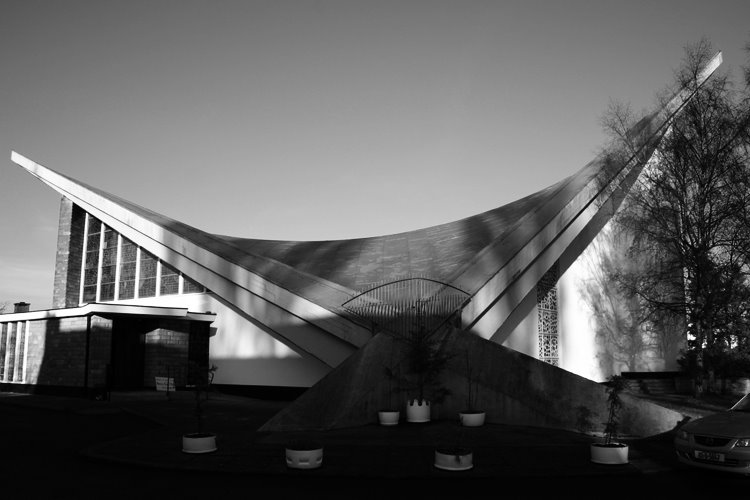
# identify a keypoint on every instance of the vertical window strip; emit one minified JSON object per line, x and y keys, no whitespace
{"x":20,"y":374}
{"x":108,"y":267}
{"x":3,"y":348}
{"x":98,"y":268}
{"x":127,"y":269}
{"x":91,"y":264}
{"x":169,"y":280}
{"x":26,"y":335}
{"x":158,"y":277}
{"x":118,"y":259}
{"x":83,"y":257}
{"x":137,"y":272}
{"x":148,"y":275}
{"x":10,"y":355}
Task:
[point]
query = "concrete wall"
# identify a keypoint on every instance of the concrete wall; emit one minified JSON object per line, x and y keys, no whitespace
{"x":512,"y":389}
{"x":244,"y":353}
{"x":598,"y":334}
{"x":600,"y":329}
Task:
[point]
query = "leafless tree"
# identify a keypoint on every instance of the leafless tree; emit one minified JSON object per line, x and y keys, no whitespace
{"x":688,"y":215}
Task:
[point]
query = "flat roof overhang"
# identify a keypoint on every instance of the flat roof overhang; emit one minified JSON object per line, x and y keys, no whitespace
{"x":109,"y":310}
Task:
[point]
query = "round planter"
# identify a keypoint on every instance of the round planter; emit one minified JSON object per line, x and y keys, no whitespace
{"x":471,"y":418}
{"x":199,"y":442}
{"x":388,"y":417}
{"x":418,"y":411}
{"x":304,"y":458}
{"x":454,"y":459}
{"x":610,"y":454}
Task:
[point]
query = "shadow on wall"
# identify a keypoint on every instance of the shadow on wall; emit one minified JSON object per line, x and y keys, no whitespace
{"x":627,"y":340}
{"x":512,"y":388}
{"x":89,"y":355}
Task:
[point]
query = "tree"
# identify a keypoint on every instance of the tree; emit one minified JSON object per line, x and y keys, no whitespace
{"x":688,"y":216}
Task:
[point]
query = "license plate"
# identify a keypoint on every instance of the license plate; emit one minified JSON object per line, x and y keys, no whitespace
{"x":709,"y":455}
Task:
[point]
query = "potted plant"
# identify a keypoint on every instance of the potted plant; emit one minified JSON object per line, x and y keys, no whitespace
{"x":200,"y":441}
{"x":303,"y":453}
{"x":611,"y":451}
{"x":452,"y":453}
{"x":390,"y":414}
{"x":454,"y":458}
{"x":425,"y":360}
{"x":471,"y":416}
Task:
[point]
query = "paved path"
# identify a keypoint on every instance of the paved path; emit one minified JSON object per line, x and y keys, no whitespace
{"x":134,"y":441}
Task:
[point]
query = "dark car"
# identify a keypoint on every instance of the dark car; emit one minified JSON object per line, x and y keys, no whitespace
{"x":719,"y":442}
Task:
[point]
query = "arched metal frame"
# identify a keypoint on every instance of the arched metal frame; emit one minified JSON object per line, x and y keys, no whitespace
{"x":400,"y":305}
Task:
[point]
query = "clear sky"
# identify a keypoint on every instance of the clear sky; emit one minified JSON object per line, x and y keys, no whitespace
{"x":319,"y":120}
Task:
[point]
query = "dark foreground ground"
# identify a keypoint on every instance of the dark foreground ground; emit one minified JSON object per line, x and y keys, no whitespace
{"x":129,"y":447}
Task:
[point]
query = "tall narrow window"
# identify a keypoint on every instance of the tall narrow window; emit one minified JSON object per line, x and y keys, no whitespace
{"x":11,"y":354}
{"x":147,"y":282}
{"x":20,"y":374}
{"x":128,"y":262}
{"x":3,"y":345}
{"x":109,"y":265}
{"x":170,"y":280}
{"x":91,"y":265}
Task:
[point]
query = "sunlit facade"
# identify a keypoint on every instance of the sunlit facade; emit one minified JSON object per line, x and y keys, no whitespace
{"x":138,"y":295}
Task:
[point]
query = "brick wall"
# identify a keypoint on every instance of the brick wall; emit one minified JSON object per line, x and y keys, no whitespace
{"x":100,"y":351}
{"x":166,"y":353}
{"x":63,"y":352}
{"x":69,"y":254}
{"x":56,"y":351}
{"x":176,"y":349}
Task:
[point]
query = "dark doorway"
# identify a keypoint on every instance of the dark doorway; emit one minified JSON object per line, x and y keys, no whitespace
{"x":128,"y":351}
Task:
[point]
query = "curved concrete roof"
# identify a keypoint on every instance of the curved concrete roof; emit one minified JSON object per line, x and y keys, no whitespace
{"x":497,"y":256}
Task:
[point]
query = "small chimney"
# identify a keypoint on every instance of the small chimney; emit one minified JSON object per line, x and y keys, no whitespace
{"x":21,"y":307}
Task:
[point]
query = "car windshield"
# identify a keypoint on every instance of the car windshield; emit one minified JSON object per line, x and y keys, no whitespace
{"x":743,"y":404}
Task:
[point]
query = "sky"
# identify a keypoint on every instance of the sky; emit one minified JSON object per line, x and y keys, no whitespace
{"x":319,"y":120}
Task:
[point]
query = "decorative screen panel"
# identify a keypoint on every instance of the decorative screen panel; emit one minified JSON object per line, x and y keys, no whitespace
{"x":546,"y":302}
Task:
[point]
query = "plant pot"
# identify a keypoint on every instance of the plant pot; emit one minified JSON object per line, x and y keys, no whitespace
{"x":471,"y":418}
{"x":388,"y":417}
{"x":611,"y":454}
{"x":199,"y":442}
{"x":304,"y":456}
{"x":455,"y":459}
{"x":418,"y":411}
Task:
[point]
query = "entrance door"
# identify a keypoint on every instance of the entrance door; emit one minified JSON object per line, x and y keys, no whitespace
{"x":128,"y":349}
